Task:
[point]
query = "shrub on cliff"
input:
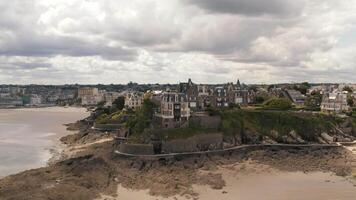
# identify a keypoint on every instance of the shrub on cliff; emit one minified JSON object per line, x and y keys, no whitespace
{"x":242,"y":125}
{"x":142,"y":117}
{"x":278,"y":104}
{"x":102,"y":119}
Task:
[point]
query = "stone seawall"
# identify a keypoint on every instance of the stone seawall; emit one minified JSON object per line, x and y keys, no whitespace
{"x":235,"y":151}
{"x":204,"y":142}
{"x":108,"y":127}
{"x":136,"y":149}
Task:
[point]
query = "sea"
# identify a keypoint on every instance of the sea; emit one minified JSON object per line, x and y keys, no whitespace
{"x":29,"y":135}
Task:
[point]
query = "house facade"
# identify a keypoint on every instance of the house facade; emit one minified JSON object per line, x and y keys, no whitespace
{"x":335,"y":102}
{"x":191,"y":90}
{"x":174,"y":110}
{"x":133,"y":100}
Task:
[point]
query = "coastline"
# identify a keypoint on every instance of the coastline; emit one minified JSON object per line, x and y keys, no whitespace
{"x":86,"y":167}
{"x":42,"y":139}
{"x":94,"y":172}
{"x":40,"y":106}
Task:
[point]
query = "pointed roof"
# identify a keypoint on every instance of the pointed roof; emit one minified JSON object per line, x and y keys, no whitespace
{"x":238,"y":84}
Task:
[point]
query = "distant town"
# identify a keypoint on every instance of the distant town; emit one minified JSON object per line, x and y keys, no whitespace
{"x":188,"y":96}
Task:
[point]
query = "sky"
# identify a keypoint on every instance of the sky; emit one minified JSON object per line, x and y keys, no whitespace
{"x":169,"y":41}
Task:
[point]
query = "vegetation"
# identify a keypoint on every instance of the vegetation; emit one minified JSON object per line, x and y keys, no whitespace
{"x":242,"y":124}
{"x":112,"y":118}
{"x":278,"y":104}
{"x":347,"y":89}
{"x":111,"y":114}
{"x":302,"y":88}
{"x":350,"y":101}
{"x":178,"y":133}
{"x":262,"y":97}
{"x":313,"y":102}
{"x":142,"y":118}
{"x":119,"y":103}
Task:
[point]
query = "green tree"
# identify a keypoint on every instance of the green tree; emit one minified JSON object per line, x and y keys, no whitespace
{"x":119,"y":103}
{"x":302,"y":88}
{"x":260,"y":98}
{"x":142,"y":117}
{"x":348,"y":89}
{"x":350,"y":101}
{"x":313,"y":101}
{"x":278,"y":104}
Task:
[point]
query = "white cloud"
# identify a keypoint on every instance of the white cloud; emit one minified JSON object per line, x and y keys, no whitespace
{"x":115,"y":41}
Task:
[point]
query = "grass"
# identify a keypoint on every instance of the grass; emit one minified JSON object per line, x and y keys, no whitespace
{"x":308,"y":126}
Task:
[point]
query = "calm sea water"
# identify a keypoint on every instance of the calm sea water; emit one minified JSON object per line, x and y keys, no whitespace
{"x":27,"y":135}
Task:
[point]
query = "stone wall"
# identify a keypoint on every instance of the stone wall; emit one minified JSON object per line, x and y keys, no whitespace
{"x":108,"y":127}
{"x":136,"y":149}
{"x":206,"y":121}
{"x":202,"y":142}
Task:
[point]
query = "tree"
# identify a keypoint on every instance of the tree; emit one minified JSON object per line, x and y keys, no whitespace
{"x":313,"y":102}
{"x":302,"y":88}
{"x":278,"y":104}
{"x":347,"y":89}
{"x":119,"y":103}
{"x":142,"y":117}
{"x":350,"y":101}
{"x":260,"y":98}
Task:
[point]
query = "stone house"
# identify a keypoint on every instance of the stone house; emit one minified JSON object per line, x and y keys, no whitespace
{"x":221,"y":97}
{"x":133,"y":100}
{"x":191,"y":90}
{"x":334,"y":102}
{"x":174,"y":110}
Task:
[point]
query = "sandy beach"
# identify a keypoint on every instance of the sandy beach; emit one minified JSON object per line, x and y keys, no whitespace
{"x":253,"y":181}
{"x":90,"y":170}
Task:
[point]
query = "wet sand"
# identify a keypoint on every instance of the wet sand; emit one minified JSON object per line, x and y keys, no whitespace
{"x":271,"y":184}
{"x":29,"y":136}
{"x":252,"y":181}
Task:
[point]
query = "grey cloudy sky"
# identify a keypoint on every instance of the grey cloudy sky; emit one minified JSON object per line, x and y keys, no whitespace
{"x":161,"y":41}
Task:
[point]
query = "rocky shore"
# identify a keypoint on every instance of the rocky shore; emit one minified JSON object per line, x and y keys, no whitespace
{"x":90,"y":169}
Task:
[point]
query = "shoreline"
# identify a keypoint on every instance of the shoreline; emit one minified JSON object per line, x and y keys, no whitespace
{"x":34,"y":107}
{"x":87,"y":168}
{"x":95,"y":172}
{"x":49,"y":145}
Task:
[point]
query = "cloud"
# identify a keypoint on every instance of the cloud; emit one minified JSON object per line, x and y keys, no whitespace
{"x":24,"y":34}
{"x":116,"y":41}
{"x":280,"y":8}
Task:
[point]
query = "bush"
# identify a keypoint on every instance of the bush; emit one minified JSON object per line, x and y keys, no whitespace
{"x":278,"y":104}
{"x":102,"y":119}
{"x":142,"y":117}
{"x":242,"y":124}
{"x":119,"y":103}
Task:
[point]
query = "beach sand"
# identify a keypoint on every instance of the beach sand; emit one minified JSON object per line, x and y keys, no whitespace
{"x":253,"y":181}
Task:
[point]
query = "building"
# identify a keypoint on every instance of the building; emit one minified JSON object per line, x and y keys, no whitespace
{"x":334,"y":102}
{"x":295,"y":97}
{"x":174,"y":110}
{"x":133,"y":100}
{"x":11,"y":102}
{"x":221,"y":97}
{"x":87,"y":91}
{"x":110,"y":97}
{"x":90,"y":96}
{"x":89,"y":100}
{"x":192,"y":92}
{"x":204,"y":97}
{"x":35,"y":100}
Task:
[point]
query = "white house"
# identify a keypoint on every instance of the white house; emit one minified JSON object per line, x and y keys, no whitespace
{"x":335,"y":102}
